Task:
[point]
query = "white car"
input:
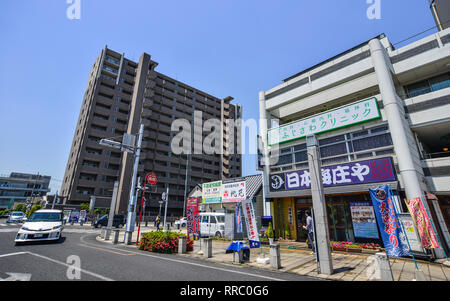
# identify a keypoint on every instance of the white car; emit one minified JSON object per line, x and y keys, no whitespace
{"x":42,"y":225}
{"x":182,"y":222}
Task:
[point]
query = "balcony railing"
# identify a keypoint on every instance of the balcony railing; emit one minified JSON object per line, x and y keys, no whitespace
{"x":427,"y":156}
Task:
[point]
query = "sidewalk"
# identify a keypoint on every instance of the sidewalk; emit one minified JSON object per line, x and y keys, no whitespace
{"x":347,"y":267}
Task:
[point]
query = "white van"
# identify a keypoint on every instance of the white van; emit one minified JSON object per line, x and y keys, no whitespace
{"x":212,"y":224}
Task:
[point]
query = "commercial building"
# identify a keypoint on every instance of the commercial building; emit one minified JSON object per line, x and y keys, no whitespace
{"x":441,"y":13}
{"x":20,"y":187}
{"x":382,"y":117}
{"x":122,"y":94}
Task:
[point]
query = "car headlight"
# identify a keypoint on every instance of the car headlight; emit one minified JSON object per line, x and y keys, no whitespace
{"x":25,"y":229}
{"x":56,"y":228}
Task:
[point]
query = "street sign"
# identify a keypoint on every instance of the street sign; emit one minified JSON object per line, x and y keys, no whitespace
{"x":151,"y":178}
{"x":163,"y":196}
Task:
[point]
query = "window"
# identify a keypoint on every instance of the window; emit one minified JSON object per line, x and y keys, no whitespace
{"x":430,"y":85}
{"x":372,"y":142}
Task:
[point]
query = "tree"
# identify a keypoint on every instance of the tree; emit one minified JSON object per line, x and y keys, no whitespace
{"x":20,"y":207}
{"x":85,"y":206}
{"x":33,"y":209}
{"x":270,"y":231}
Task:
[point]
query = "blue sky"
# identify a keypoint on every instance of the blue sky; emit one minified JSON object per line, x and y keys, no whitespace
{"x":226,"y":47}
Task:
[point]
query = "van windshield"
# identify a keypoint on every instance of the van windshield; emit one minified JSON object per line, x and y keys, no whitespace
{"x":220,"y":218}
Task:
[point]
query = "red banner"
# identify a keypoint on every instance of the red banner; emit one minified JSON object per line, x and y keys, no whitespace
{"x":423,"y":223}
{"x":193,"y":218}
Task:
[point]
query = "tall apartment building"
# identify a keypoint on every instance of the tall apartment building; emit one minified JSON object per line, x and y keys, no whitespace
{"x":122,"y":94}
{"x":381,"y":116}
{"x":441,"y":13}
{"x":21,"y":186}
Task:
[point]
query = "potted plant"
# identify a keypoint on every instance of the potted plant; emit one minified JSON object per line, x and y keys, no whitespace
{"x":270,"y":233}
{"x":287,"y":232}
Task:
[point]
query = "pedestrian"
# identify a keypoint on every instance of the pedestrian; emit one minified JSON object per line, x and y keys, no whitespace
{"x":158,"y":221}
{"x":310,"y":228}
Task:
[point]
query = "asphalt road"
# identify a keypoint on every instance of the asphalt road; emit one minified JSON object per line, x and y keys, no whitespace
{"x":79,"y":256}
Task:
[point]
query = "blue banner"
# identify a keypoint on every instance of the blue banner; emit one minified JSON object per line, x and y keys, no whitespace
{"x":393,"y":238}
{"x":238,"y":218}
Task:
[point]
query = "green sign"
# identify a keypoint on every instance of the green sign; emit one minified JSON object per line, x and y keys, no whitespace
{"x":11,"y":203}
{"x":212,"y":192}
{"x":355,"y":113}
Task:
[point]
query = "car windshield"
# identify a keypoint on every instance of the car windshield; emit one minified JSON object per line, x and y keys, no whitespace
{"x":17,"y":214}
{"x":45,"y":217}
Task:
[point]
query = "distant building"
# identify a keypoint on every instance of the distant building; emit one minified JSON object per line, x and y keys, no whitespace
{"x":122,"y":94}
{"x":20,"y":186}
{"x":441,"y":13}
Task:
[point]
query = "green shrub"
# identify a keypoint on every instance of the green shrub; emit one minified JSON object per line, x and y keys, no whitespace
{"x":20,"y":207}
{"x":163,"y":242}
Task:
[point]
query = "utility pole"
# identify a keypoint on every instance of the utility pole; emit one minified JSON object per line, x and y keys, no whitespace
{"x":319,"y":206}
{"x":54,"y":200}
{"x":132,"y":200}
{"x":185,"y":185}
{"x":165,"y":210}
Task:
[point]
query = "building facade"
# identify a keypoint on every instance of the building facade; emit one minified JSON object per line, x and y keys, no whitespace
{"x":20,"y":187}
{"x":441,"y":13}
{"x":122,"y":94}
{"x":382,"y":117}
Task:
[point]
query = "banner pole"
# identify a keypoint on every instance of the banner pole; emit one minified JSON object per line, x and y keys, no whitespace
{"x":403,"y":229}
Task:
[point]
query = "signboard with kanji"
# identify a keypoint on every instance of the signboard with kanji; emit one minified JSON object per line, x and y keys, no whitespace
{"x":355,"y":113}
{"x":151,"y":178}
{"x":234,"y":191}
{"x":193,"y":218}
{"x":250,"y":222}
{"x":212,"y":192}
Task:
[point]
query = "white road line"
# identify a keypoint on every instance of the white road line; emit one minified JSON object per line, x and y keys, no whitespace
{"x":70,"y":266}
{"x":191,"y":263}
{"x":12,"y":254}
{"x":61,"y":263}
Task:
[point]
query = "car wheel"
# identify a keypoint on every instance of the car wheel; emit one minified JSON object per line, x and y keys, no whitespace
{"x":218,"y":235}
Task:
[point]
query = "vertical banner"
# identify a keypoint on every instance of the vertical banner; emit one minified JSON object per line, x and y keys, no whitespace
{"x":238,"y":218}
{"x":393,"y":238}
{"x":250,"y":222}
{"x":193,"y":218}
{"x":411,"y":232}
{"x":423,"y":223}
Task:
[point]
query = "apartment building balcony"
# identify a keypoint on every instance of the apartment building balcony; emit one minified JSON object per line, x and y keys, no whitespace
{"x":149,"y":93}
{"x":8,"y":187}
{"x":146,"y":112}
{"x":150,"y":84}
{"x":102,"y":110}
{"x":152,"y":74}
{"x":148,"y":144}
{"x":437,"y":172}
{"x":148,"y":103}
{"x":428,"y":108}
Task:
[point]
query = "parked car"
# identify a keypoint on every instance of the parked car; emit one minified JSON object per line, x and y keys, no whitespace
{"x":42,"y":225}
{"x":16,"y":217}
{"x":182,"y":222}
{"x":212,"y":224}
{"x":118,"y":221}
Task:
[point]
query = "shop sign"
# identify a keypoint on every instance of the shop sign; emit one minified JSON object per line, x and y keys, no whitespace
{"x":411,"y":232}
{"x":250,"y":222}
{"x":423,"y":223}
{"x":355,"y":113}
{"x":193,"y":218}
{"x":363,"y":220}
{"x":362,"y":172}
{"x":212,"y":192}
{"x":394,"y":239}
{"x":234,"y":192}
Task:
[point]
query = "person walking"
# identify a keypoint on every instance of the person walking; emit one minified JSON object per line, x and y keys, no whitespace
{"x":158,"y":221}
{"x":310,"y":228}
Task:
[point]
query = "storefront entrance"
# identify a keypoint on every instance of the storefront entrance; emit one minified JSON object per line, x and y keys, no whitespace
{"x":302,"y":234}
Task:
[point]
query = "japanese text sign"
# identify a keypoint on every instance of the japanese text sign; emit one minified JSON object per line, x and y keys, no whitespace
{"x":212,"y":192}
{"x":394,"y":239}
{"x":193,"y":218}
{"x":250,"y":222}
{"x":422,"y":221}
{"x":359,"y":112}
{"x":369,"y":171}
{"x":233,"y":192}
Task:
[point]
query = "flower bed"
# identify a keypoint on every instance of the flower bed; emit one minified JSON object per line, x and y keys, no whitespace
{"x":163,"y":242}
{"x":348,"y":246}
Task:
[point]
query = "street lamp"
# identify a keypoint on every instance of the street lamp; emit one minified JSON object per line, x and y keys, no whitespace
{"x":128,"y":145}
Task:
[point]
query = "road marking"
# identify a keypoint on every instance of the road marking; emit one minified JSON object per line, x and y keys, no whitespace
{"x":17,"y":277}
{"x":61,"y":263}
{"x":191,"y":263}
{"x":13,"y":254}
{"x":69,"y":266}
{"x":87,"y":246}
